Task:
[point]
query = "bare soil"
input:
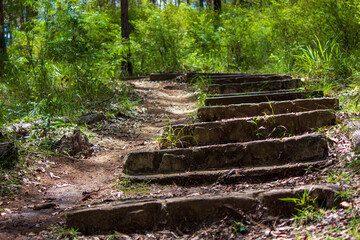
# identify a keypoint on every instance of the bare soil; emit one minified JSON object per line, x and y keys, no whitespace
{"x":59,"y":183}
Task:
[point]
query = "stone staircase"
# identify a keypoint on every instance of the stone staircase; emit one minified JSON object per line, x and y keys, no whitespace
{"x":254,"y":129}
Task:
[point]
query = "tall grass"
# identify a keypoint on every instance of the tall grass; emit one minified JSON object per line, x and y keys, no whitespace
{"x":317,"y":60}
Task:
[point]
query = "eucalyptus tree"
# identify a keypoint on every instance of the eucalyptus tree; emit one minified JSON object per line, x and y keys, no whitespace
{"x":125,"y":34}
{"x":2,"y":37}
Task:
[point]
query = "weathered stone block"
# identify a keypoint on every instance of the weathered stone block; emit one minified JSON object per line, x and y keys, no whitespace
{"x":247,"y":129}
{"x":171,"y":162}
{"x":183,"y":212}
{"x":311,"y":147}
{"x":253,"y":86}
{"x":261,"y":97}
{"x":214,"y":113}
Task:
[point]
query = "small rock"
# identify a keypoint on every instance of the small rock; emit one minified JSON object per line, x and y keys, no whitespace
{"x":44,"y":206}
{"x":355,"y":140}
{"x":77,"y":144}
{"x":8,"y":155}
{"x":91,"y":118}
{"x":345,"y":204}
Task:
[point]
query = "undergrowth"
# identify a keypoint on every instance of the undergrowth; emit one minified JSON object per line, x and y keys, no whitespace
{"x":307,"y":208}
{"x":127,"y":187}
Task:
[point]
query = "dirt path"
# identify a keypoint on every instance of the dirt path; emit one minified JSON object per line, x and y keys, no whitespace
{"x":63,"y":183}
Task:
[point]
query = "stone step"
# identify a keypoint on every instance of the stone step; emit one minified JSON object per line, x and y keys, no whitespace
{"x":188,"y":212}
{"x":250,"y":128}
{"x":163,"y":76}
{"x":253,"y":86}
{"x":252,"y":93}
{"x":247,"y":79}
{"x":193,"y":76}
{"x":215,"y":113}
{"x":309,"y":147}
{"x":251,"y":175}
{"x":261,"y":97}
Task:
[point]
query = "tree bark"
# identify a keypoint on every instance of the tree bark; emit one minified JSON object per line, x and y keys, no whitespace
{"x":201,"y":3}
{"x":2,"y":38}
{"x":217,"y":5}
{"x":125,"y":34}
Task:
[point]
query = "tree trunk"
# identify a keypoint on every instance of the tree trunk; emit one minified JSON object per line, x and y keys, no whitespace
{"x":201,"y":3}
{"x":217,"y":5}
{"x":2,"y":38}
{"x":125,"y":34}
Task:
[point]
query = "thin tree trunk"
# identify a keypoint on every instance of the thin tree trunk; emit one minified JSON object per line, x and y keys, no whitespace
{"x":201,"y":3}
{"x":217,"y":5}
{"x":125,"y":34}
{"x":2,"y":38}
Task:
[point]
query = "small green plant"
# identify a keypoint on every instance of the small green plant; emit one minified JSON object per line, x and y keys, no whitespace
{"x":114,"y":236}
{"x":355,"y":163}
{"x":64,"y":233}
{"x":10,"y":181}
{"x":354,"y":228}
{"x":345,"y":195}
{"x":125,"y":185}
{"x":239,"y":228}
{"x":307,"y":208}
{"x":338,"y":177}
{"x":173,"y":137}
{"x":259,"y":130}
{"x":200,"y":83}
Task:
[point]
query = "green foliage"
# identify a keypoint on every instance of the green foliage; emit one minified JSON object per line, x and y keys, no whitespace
{"x":316,"y":60}
{"x":354,"y":228}
{"x":307,"y":207}
{"x":240,"y":228}
{"x":199,"y":84}
{"x":10,"y":181}
{"x":64,"y":233}
{"x":128,"y":187}
{"x":173,"y":137}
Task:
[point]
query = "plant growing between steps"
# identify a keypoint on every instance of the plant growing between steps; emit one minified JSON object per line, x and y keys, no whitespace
{"x":307,"y":208}
{"x":65,"y":233}
{"x":125,"y":185}
{"x":173,"y":137}
{"x":240,"y":228}
{"x":199,"y":84}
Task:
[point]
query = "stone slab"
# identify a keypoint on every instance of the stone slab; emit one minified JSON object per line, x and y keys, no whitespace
{"x":233,"y":176}
{"x":253,"y":86}
{"x":251,"y":128}
{"x":309,"y":147}
{"x":261,"y":97}
{"x":213,"y":76}
{"x":163,"y":76}
{"x":252,"y":93}
{"x":182,"y":213}
{"x":248,"y":79}
{"x":214,"y":113}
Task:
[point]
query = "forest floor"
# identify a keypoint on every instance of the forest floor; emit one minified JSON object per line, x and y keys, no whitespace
{"x":57,"y":184}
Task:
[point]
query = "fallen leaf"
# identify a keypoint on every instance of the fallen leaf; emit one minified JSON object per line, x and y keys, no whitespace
{"x":54,"y":176}
{"x":345,"y":204}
